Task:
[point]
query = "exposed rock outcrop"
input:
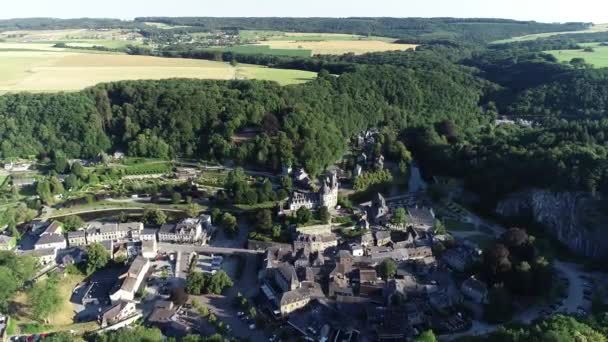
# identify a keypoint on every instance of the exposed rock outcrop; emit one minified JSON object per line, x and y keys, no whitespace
{"x":565,"y":215}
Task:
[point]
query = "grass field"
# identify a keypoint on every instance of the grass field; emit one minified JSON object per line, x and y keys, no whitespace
{"x":337,"y":47}
{"x":598,"y":58}
{"x":596,"y":28}
{"x":63,"y":319}
{"x":264,"y":50}
{"x":47,"y":71}
{"x":322,"y":43}
{"x":74,"y":37}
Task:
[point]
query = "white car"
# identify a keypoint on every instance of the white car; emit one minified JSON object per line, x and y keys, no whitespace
{"x":252,"y":327}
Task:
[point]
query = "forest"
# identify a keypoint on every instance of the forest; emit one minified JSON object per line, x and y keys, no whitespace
{"x":441,"y":100}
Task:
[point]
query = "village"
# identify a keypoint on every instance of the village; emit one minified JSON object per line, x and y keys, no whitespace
{"x":384,"y":270}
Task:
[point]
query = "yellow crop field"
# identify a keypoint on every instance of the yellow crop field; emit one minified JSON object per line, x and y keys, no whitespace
{"x":338,"y":47}
{"x":47,"y":71}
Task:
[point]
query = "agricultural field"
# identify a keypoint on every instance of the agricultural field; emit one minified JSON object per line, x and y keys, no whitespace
{"x":255,"y":49}
{"x":321,"y":43}
{"x":598,"y":58}
{"x":45,"y":70}
{"x":596,"y":28}
{"x":74,"y":37}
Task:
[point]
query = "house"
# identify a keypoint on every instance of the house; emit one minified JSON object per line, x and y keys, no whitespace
{"x":130,"y":229}
{"x":55,"y":241}
{"x":54,"y":227}
{"x":366,"y":276}
{"x":102,"y":231}
{"x":188,"y":230}
{"x":118,"y":155}
{"x":148,"y":234}
{"x":116,"y":313}
{"x":382,"y":237}
{"x":7,"y":243}
{"x":457,"y":259}
{"x":149,"y":249}
{"x":378,"y":210}
{"x":77,"y":238}
{"x":327,"y":196}
{"x":365,"y":240}
{"x":356,"y":249}
{"x":185,"y":173}
{"x":22,"y":181}
{"x":421,"y":218}
{"x":475,"y":290}
{"x":286,"y":278}
{"x":162,"y":314}
{"x":45,"y":256}
{"x":415,"y":253}
{"x":131,"y":281}
{"x":315,"y":243}
{"x":293,"y":300}
{"x":17,"y":167}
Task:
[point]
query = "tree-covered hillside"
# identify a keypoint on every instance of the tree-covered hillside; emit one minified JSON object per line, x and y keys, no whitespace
{"x":191,"y":118}
{"x":410,"y":29}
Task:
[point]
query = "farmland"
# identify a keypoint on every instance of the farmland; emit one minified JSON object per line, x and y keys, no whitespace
{"x":74,"y":37}
{"x":598,"y":58}
{"x":47,"y":70}
{"x":320,"y":43}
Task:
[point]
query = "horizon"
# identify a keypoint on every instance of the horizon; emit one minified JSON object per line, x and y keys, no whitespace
{"x":545,"y":11}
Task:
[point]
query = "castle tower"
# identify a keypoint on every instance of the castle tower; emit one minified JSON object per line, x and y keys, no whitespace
{"x":328,"y":194}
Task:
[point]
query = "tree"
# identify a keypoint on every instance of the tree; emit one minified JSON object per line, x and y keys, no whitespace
{"x":78,"y":170}
{"x":8,"y":286}
{"x":179,"y":296}
{"x":193,"y":209}
{"x":72,"y":223}
{"x":287,"y":184}
{"x":324,"y":215}
{"x":399,"y":217}
{"x":72,"y":182}
{"x":263,"y":220}
{"x":426,"y":336}
{"x":387,"y":268}
{"x":44,"y":298}
{"x":97,"y":257}
{"x":216,"y":216}
{"x":440,"y":227}
{"x":176,"y":197}
{"x":219,"y":281}
{"x":154,"y":216}
{"x":56,"y":185}
{"x":230,"y":224}
{"x":196,"y":283}
{"x":60,"y":163}
{"x":303,"y":215}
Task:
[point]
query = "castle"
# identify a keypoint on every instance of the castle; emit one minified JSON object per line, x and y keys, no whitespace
{"x":327,"y":196}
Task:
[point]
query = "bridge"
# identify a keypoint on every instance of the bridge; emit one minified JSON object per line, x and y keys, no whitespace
{"x":164,"y":247}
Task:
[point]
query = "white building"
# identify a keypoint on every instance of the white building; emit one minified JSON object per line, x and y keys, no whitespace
{"x":54,"y":241}
{"x":131,"y":281}
{"x":327,"y":196}
{"x":188,"y":230}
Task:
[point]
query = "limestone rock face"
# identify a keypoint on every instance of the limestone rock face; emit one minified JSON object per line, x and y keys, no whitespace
{"x":565,"y":215}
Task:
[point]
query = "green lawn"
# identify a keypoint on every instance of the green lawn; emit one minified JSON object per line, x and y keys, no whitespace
{"x":598,"y":58}
{"x":3,"y":179}
{"x":264,"y":50}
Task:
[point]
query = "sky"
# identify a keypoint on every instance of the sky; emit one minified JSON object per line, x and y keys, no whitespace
{"x":540,"y":10}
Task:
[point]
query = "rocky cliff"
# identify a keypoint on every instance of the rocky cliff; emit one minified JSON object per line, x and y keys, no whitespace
{"x":569,"y":216}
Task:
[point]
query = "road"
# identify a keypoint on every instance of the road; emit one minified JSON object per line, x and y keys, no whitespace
{"x":172,"y":247}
